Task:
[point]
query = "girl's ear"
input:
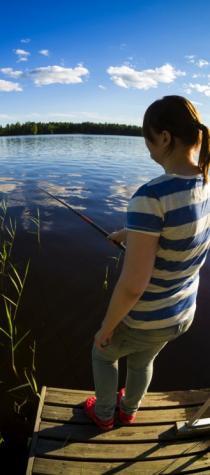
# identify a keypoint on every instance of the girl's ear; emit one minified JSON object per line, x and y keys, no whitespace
{"x":166,"y":137}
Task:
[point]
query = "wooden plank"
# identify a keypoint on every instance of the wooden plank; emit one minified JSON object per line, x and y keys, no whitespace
{"x":76,"y":415}
{"x":62,"y":431}
{"x":116,"y":452}
{"x":36,"y":431}
{"x":86,"y":433}
{"x":191,"y":397}
{"x":183,"y":465}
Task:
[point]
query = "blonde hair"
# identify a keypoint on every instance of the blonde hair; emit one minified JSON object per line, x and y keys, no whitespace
{"x":178,"y":116}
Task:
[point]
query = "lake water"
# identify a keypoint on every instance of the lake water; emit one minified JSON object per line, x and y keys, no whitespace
{"x":65,"y":299}
{"x":97,"y":174}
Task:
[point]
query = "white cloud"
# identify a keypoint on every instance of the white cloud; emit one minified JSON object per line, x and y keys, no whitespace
{"x":202,"y":88}
{"x":22,"y":54}
{"x":25,"y":40}
{"x":199,"y":75}
{"x":66,"y":115}
{"x":202,"y":62}
{"x":8,"y":86}
{"x":58,"y":74}
{"x":5,"y":116}
{"x":190,"y":58}
{"x":44,"y":52}
{"x":21,"y":117}
{"x":11,"y":73}
{"x":22,"y":58}
{"x":102,"y":87}
{"x":125,"y":76}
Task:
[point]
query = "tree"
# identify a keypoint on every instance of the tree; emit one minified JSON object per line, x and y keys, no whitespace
{"x":34,"y":128}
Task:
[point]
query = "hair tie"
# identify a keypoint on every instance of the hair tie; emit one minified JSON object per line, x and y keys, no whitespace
{"x":201,"y":127}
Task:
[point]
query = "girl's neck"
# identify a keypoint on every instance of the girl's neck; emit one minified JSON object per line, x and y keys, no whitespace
{"x":181,"y":164}
{"x":187,"y":170}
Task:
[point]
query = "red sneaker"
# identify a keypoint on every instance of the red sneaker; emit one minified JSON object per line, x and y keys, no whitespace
{"x":89,"y":408}
{"x":124,"y":418}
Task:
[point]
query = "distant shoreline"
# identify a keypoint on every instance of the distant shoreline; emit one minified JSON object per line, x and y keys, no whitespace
{"x":55,"y":128}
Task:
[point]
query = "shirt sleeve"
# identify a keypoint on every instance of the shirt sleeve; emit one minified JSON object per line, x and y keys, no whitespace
{"x":144,"y":213}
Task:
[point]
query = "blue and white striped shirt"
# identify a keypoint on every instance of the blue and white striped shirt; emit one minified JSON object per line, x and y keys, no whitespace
{"x":176,"y":208}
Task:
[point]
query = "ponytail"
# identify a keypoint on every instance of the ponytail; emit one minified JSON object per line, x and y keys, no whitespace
{"x":204,"y":156}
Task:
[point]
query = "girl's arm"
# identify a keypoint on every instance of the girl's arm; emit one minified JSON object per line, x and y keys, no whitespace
{"x":137,"y":269}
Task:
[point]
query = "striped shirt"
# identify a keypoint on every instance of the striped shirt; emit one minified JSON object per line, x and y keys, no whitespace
{"x":177,"y":209}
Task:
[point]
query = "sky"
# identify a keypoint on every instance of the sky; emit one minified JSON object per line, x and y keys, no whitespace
{"x":101,"y":60}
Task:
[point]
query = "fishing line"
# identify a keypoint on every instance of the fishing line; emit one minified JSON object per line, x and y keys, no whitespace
{"x":85,"y":218}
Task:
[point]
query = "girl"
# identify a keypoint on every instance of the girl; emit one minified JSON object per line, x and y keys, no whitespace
{"x":167,"y":237}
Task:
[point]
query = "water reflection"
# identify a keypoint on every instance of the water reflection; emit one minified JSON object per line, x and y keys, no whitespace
{"x":7,"y":187}
{"x":82,"y":170}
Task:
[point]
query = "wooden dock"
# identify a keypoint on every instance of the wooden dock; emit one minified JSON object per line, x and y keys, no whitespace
{"x":66,"y":442}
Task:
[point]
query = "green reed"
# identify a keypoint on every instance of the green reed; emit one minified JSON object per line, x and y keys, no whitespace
{"x":11,"y":309}
{"x":12,"y":287}
{"x":3,"y":208}
{"x":18,"y":407}
{"x":7,"y":236}
{"x":36,"y":221}
{"x":29,"y":378}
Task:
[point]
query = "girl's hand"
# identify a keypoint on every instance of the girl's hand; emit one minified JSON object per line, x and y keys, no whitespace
{"x":102,"y":339}
{"x":118,"y":236}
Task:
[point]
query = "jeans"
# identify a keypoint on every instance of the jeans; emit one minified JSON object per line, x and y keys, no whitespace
{"x":141,"y":348}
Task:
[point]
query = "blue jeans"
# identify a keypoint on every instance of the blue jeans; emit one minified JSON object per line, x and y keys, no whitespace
{"x":141,"y":348}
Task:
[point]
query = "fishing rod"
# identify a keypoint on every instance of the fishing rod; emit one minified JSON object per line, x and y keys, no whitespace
{"x":85,"y":218}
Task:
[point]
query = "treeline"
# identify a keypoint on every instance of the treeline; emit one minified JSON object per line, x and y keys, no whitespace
{"x":35,"y":128}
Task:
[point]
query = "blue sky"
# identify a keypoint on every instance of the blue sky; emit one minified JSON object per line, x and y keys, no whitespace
{"x":101,"y":61}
